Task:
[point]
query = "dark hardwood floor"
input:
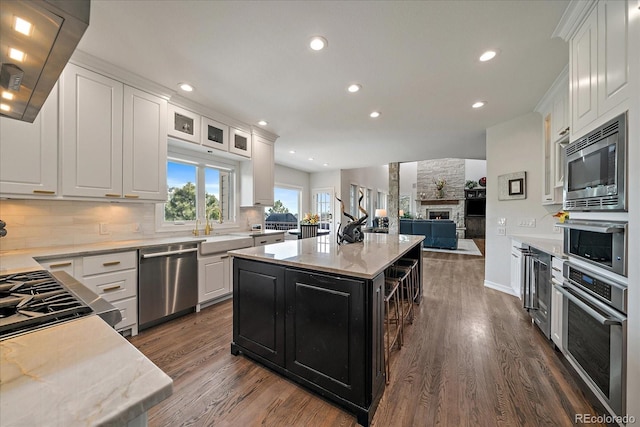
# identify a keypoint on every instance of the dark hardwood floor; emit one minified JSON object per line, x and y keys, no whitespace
{"x":471,"y":358}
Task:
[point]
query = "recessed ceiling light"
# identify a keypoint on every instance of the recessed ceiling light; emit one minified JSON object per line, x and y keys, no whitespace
{"x":354,"y":88}
{"x":375,"y":114}
{"x":310,"y":158}
{"x":488,"y":55}
{"x":292,"y":152}
{"x":186,"y":87}
{"x":325,"y":164}
{"x":7,"y":95}
{"x":22,"y":26}
{"x":479,"y":104}
{"x":262,"y":123}
{"x":5,"y":107}
{"x":16,"y":54}
{"x":318,"y":43}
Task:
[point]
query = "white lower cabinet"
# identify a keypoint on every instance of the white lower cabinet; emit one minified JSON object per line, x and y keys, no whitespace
{"x":114,"y":277}
{"x":516,"y":267}
{"x":62,"y":264}
{"x":268,"y":240}
{"x":556,"y":302}
{"x":214,"y":277}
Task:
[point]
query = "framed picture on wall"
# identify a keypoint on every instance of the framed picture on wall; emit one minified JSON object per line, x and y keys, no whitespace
{"x":516,"y":187}
{"x":512,"y":186}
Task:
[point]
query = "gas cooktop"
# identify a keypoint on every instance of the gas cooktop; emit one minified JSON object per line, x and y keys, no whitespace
{"x":35,"y":299}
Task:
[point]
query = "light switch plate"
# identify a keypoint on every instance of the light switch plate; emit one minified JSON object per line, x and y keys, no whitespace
{"x":104,"y":228}
{"x":502,"y":231}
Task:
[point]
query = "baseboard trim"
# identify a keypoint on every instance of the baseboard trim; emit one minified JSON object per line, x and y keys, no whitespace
{"x":502,"y":288}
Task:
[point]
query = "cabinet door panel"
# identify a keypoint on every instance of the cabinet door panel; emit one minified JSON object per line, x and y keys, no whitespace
{"x":263,"y":177}
{"x":91,"y":134}
{"x":325,"y":329}
{"x":214,"y":277}
{"x":584,"y":88}
{"x":258,"y":309}
{"x":144,"y":146}
{"x":613,"y":65}
{"x":29,"y":152}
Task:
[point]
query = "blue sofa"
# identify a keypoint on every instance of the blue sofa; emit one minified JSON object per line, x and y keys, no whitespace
{"x":438,"y":233}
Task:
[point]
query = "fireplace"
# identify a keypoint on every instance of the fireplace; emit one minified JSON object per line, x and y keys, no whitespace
{"x":439,"y":213}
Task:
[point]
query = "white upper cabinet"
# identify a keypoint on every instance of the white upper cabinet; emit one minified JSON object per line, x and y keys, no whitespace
{"x":91,"y":134}
{"x":240,"y":142}
{"x":29,"y":152}
{"x":257,"y":175}
{"x":184,"y":124}
{"x":613,"y":59}
{"x":215,"y":134}
{"x":144,"y":162}
{"x":554,"y":108}
{"x":599,"y":64}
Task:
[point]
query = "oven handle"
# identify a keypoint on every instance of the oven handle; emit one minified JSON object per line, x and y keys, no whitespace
{"x":607,"y":321}
{"x":598,"y":227}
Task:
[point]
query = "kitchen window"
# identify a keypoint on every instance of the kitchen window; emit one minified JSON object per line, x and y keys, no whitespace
{"x":198,"y":188}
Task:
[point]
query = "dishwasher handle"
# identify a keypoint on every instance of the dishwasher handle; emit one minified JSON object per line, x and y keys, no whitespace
{"x":168,"y":253}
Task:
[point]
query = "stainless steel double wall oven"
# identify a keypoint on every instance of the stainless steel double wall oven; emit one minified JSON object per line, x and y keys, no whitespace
{"x":594,"y":290}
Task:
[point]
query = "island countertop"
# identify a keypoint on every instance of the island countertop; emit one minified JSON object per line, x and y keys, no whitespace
{"x":366,"y":259}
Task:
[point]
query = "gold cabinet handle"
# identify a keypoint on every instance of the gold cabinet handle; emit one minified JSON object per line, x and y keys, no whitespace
{"x":43,"y":192}
{"x":131,"y":196}
{"x":112,"y":195}
{"x":62,"y":264}
{"x":110,"y":263}
{"x":224,"y":256}
{"x":564,"y":131}
{"x":111,"y":288}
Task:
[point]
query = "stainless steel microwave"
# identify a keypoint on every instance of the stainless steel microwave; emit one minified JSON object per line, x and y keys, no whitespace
{"x":600,"y":243}
{"x":596,"y":169}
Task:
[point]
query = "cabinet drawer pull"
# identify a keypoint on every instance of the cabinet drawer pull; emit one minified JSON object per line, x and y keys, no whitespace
{"x":262,"y":242}
{"x":515,"y":256}
{"x":111,"y":288}
{"x":564,"y":131}
{"x":131,"y":196}
{"x":278,"y":240}
{"x":43,"y":192}
{"x":556,"y":269}
{"x":112,"y":195}
{"x":224,"y":256}
{"x":110,"y":263}
{"x":62,"y":264}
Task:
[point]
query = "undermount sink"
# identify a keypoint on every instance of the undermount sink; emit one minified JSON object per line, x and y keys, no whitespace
{"x":224,"y":243}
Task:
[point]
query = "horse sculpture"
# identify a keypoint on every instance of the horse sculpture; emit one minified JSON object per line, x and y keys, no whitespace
{"x":352,"y":231}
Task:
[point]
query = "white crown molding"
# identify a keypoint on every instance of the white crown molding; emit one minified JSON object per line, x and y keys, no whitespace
{"x":562,"y":78}
{"x":575,"y":13}
{"x":264,"y":133}
{"x":105,"y":68}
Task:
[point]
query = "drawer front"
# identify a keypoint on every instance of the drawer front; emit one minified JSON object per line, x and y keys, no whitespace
{"x":109,"y":262}
{"x":113,"y":286}
{"x":65,"y":265}
{"x":129,"y":310}
{"x":267,"y":240}
{"x":556,"y":268}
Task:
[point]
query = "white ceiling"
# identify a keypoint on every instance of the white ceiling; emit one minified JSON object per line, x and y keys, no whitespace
{"x":417,"y":62}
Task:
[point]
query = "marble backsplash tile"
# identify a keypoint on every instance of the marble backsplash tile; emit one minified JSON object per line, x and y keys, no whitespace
{"x":44,"y":223}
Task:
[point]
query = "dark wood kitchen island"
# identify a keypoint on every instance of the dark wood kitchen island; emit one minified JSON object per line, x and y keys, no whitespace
{"x":313,"y":311}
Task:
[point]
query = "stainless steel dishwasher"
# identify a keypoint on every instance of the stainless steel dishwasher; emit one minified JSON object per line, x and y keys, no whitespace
{"x":167,"y":282}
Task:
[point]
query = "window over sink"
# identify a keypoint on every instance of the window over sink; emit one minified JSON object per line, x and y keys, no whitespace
{"x":199,"y":186}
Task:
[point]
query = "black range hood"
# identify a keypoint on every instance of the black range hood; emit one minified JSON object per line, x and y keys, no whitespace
{"x":46,"y":46}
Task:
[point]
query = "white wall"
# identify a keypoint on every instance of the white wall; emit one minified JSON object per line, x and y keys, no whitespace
{"x":514,"y":146}
{"x":474,"y":169}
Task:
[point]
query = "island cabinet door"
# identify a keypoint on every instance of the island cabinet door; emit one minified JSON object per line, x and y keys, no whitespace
{"x":326,"y":333}
{"x":258,"y":309}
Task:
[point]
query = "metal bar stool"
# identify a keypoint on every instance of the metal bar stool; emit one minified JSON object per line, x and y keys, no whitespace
{"x":392,"y":317}
{"x":415,"y":275}
{"x":404,"y":275}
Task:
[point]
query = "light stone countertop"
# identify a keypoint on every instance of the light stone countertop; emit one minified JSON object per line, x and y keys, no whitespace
{"x":553,"y":247}
{"x":18,"y":261}
{"x":76,"y":373}
{"x":365,"y":260}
